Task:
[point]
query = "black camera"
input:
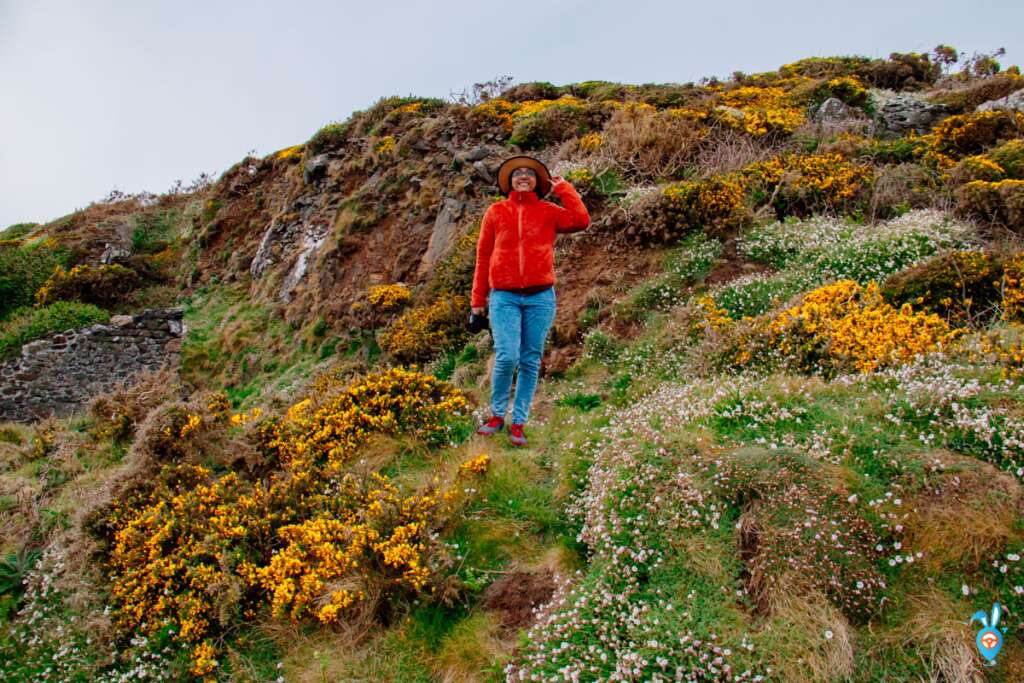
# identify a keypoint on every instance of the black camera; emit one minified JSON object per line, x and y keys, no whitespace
{"x":478,"y":322}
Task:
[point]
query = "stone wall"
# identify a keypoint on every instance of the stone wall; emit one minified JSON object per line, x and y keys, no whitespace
{"x":56,"y":374}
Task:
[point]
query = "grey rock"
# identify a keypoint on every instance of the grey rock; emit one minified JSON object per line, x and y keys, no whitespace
{"x":316,"y":168}
{"x":1012,"y":102}
{"x":483,"y":171}
{"x":898,"y":113}
{"x":114,"y":253}
{"x":834,"y":111}
{"x":310,"y":243}
{"x":443,"y":234}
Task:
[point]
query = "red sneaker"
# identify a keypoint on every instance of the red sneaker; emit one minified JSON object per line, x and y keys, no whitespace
{"x":516,"y":435}
{"x":493,"y":425}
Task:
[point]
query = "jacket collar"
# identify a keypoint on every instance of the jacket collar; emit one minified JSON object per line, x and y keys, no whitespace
{"x":521,"y":197}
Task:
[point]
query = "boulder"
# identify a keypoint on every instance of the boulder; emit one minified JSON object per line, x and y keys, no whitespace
{"x":898,"y":113}
{"x":834,"y":111}
{"x":115,"y":253}
{"x":1012,"y":102}
{"x":316,"y":168}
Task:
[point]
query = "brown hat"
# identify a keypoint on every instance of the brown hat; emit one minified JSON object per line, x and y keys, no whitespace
{"x":511,"y":164}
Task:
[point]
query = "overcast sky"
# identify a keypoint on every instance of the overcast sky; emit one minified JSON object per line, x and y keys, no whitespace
{"x":133,"y":95}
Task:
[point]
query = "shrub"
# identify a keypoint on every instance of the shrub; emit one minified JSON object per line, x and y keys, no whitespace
{"x":536,"y":90}
{"x":650,"y":145}
{"x":849,"y":89}
{"x":26,"y":324}
{"x":976,"y":167}
{"x":1010,"y":158}
{"x":1000,"y":203}
{"x":389,"y":298}
{"x":900,"y":188}
{"x":960,"y":286}
{"x":121,"y":409}
{"x":509,"y":114}
{"x":153,"y":231}
{"x":1013,"y":289}
{"x":802,"y":184}
{"x":330,"y":137}
{"x":825,"y":67}
{"x":424,"y":331}
{"x":549,"y":125}
{"x":23,"y":270}
{"x":201,"y":553}
{"x":716,"y":206}
{"x":761,"y":111}
{"x":843,"y":327}
{"x":104,"y":286}
{"x":17,"y":231}
{"x":903,"y":71}
{"x":898,"y":151}
{"x":966,"y":134}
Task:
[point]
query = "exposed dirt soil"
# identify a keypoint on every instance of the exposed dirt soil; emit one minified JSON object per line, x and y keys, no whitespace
{"x":515,"y":596}
{"x":732,"y":266}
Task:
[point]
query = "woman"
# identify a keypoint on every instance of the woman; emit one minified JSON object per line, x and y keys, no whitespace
{"x":515,"y":271}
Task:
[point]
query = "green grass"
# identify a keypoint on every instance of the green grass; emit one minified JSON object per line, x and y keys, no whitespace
{"x":28,"y":324}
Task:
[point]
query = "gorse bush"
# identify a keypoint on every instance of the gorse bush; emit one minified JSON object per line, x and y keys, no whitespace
{"x":802,"y":184}
{"x":999,"y":202}
{"x":962,"y":287}
{"x":761,"y":111}
{"x":27,"y":324}
{"x":843,"y":328}
{"x":966,"y":134}
{"x":311,"y":538}
{"x":103,"y":285}
{"x":388,"y":298}
{"x":716,"y":206}
{"x":424,"y":331}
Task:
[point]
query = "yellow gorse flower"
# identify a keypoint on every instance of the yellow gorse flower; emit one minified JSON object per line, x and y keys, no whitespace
{"x":311,"y":539}
{"x":854,"y":327}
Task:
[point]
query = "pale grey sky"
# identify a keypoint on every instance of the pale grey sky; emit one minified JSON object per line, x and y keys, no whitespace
{"x":133,"y":95}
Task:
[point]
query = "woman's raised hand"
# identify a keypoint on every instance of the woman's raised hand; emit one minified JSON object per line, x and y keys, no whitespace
{"x":555,"y":179}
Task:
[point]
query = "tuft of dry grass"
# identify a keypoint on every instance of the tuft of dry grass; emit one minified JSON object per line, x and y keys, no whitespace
{"x":727,"y":151}
{"x":649,"y":145}
{"x":808,"y":639}
{"x":938,"y":632}
{"x":472,"y":650}
{"x":120,"y":409}
{"x":966,"y":515}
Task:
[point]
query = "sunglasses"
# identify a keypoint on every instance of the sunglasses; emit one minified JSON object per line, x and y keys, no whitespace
{"x":523,"y":171}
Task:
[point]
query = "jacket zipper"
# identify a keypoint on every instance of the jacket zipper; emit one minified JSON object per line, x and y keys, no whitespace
{"x":520,"y":208}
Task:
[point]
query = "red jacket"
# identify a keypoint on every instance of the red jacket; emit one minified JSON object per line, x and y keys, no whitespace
{"x":517,"y":239}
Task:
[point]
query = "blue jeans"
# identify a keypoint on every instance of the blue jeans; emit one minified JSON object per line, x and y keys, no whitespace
{"x":519,"y":324}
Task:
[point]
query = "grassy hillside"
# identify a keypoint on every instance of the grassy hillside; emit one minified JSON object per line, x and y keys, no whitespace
{"x":779,"y":435}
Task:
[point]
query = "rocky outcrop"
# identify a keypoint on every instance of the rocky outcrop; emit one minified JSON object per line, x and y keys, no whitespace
{"x":1012,"y":102}
{"x":898,"y":113}
{"x":444,"y":233}
{"x":56,"y":374}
